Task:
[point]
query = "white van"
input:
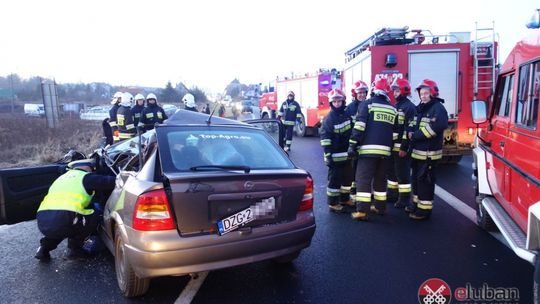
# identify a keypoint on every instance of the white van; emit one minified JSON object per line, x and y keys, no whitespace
{"x":34,"y":110}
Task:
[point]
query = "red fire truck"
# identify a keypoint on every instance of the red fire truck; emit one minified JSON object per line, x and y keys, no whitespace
{"x":506,"y":154}
{"x":464,"y":70}
{"x":311,"y":92}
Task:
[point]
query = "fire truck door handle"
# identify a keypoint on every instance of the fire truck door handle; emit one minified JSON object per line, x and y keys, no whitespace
{"x":501,"y":143}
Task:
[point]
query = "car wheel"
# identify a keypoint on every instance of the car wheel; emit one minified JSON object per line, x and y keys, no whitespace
{"x":300,"y":128}
{"x":130,"y":284}
{"x":483,"y":219}
{"x":288,"y":258}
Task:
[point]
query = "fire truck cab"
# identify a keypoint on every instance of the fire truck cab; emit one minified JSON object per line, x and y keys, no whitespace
{"x":463,"y":69}
{"x":507,"y":148}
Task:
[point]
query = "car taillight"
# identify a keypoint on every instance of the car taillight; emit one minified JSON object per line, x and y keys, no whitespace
{"x":307,"y":199}
{"x":152,"y":212}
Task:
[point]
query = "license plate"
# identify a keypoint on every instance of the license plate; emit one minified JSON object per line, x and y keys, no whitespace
{"x":260,"y":209}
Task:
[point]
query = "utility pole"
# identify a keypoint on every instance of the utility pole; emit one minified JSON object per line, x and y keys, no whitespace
{"x":12,"y":94}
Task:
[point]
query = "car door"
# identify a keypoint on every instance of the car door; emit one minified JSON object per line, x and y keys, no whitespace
{"x":273,"y":127}
{"x":23,"y":189}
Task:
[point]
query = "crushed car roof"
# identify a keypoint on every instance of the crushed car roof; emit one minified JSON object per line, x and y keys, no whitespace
{"x":196,"y":118}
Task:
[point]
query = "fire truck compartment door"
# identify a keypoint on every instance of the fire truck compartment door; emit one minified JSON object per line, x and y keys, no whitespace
{"x":440,"y":66}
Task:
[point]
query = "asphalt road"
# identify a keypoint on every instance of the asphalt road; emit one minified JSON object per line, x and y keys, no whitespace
{"x":381,"y":261}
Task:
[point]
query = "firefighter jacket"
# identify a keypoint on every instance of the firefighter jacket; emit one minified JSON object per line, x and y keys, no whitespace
{"x":352,"y":108}
{"x":136,"y":112}
{"x":406,"y":111}
{"x":112,"y":116}
{"x":335,"y":133}
{"x":290,"y":112}
{"x":193,"y":109}
{"x":375,"y":124}
{"x":74,"y":190}
{"x":428,"y":129}
{"x":151,"y":115}
{"x":125,"y":122}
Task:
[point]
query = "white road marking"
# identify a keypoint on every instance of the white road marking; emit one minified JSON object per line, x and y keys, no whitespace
{"x":191,"y":289}
{"x":466,"y":210}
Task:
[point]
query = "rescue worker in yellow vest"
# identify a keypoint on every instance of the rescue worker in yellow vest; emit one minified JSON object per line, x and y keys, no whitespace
{"x":291,"y":112}
{"x":371,"y":143}
{"x":399,"y":164}
{"x":64,"y":212}
{"x":125,"y":119}
{"x":153,"y":113}
{"x":426,"y":138}
{"x":335,"y":132}
{"x":359,"y":94}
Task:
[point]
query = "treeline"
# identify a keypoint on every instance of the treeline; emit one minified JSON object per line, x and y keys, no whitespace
{"x":13,"y":87}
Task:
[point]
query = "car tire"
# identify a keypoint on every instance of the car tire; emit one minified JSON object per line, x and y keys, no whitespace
{"x":301,"y":129}
{"x":483,"y":219}
{"x":288,"y":258}
{"x":128,"y":281}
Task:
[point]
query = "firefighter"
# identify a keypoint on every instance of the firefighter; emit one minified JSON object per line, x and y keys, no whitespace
{"x":426,"y":136}
{"x":371,"y":143}
{"x":399,"y":164}
{"x":117,"y":98}
{"x":138,"y":108}
{"x":125,"y":119}
{"x":64,"y":212}
{"x":335,"y":132}
{"x":290,"y":112}
{"x":359,"y":93}
{"x":189,"y":102}
{"x":152,"y":114}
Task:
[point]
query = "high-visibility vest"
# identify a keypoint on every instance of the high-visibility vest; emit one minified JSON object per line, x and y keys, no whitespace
{"x":68,"y":193}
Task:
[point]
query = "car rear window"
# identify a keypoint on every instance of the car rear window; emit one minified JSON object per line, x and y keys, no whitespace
{"x":184,"y":148}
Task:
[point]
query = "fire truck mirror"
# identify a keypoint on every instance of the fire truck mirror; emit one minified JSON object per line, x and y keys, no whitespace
{"x":479,"y":111}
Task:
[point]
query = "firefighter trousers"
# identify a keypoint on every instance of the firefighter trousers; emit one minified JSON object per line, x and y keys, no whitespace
{"x":423,"y":185}
{"x":57,"y":225}
{"x":370,"y":171}
{"x":399,"y":178}
{"x":340,"y":176}
{"x":288,"y":135}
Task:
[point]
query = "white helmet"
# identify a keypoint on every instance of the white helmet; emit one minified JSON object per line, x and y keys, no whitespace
{"x":127,"y":99}
{"x":189,"y":100}
{"x":139,"y":97}
{"x":151,"y":96}
{"x":116,"y":97}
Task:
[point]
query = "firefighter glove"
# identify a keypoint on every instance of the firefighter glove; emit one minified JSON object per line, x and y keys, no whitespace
{"x":351,"y":152}
{"x":329,"y":161}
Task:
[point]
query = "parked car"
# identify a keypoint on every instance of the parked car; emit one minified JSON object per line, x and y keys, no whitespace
{"x":194,"y":195}
{"x":34,"y":110}
{"x":506,"y":153}
{"x":95,"y":113}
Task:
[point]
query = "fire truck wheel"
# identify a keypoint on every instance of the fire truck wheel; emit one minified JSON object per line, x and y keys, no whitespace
{"x":483,"y":219}
{"x":300,"y":128}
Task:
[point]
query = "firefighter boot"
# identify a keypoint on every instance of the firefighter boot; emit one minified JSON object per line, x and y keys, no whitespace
{"x":391,"y":195}
{"x":412,"y":206}
{"x":362,"y":211}
{"x":333,"y":204}
{"x":346,"y":200}
{"x":403,"y":201}
{"x":379,"y":207}
{"x":420,"y":215}
{"x":42,"y":254}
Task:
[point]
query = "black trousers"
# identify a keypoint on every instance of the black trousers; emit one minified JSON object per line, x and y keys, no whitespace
{"x":340,"y":176}
{"x":57,"y":225}
{"x":423,"y":185}
{"x":288,"y":134}
{"x":399,"y":175}
{"x":370,"y":171}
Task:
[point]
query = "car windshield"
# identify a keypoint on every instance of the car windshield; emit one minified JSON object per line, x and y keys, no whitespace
{"x":128,"y":145}
{"x":222,"y":148}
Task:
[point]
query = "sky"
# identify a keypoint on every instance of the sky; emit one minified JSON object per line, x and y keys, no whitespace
{"x":209,"y":43}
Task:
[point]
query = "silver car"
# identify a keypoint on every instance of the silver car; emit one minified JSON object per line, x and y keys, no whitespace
{"x":196,"y":195}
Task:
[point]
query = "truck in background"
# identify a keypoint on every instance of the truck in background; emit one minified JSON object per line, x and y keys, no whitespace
{"x":464,"y":71}
{"x":506,"y":154}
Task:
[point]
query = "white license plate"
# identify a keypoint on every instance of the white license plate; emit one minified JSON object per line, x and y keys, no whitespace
{"x":262,"y":209}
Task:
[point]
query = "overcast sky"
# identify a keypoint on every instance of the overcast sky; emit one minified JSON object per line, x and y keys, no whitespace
{"x":209,"y":43}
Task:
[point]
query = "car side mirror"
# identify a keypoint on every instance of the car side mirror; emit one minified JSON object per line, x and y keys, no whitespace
{"x":479,"y":111}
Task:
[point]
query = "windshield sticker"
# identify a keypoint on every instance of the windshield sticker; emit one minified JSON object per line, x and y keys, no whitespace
{"x":227,"y":137}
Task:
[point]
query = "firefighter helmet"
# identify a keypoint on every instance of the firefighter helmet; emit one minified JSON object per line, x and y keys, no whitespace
{"x":360,"y":86}
{"x":381,"y":87}
{"x":336,"y":94}
{"x":116,"y":97}
{"x":189,"y":100}
{"x":139,"y":97}
{"x":432,"y":85}
{"x":151,"y":96}
{"x":403,"y":86}
{"x":127,"y":99}
{"x":291,"y":93}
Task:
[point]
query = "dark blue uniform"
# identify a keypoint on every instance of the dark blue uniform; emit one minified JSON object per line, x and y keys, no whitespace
{"x":125,"y":122}
{"x":372,"y":140}
{"x":335,"y":133}
{"x":426,"y":149}
{"x":136,"y":111}
{"x":112,"y":119}
{"x":151,"y":115}
{"x":290,"y":111}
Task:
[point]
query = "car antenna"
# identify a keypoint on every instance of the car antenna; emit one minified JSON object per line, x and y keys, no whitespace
{"x":208,"y":121}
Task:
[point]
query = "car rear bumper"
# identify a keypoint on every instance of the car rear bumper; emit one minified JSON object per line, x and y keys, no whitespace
{"x":162,"y":253}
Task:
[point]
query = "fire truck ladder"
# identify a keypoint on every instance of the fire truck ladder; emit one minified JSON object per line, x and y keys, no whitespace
{"x":484,"y":59}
